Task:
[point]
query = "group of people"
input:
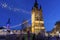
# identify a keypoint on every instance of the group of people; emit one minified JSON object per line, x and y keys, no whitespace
{"x":39,"y":36}
{"x":30,"y":36}
{"x":43,"y":37}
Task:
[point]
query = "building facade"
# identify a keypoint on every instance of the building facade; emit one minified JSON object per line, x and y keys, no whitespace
{"x":37,"y":19}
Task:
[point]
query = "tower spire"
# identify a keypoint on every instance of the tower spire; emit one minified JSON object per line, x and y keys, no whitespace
{"x":35,"y":0}
{"x":8,"y":22}
{"x":36,"y":4}
{"x":40,"y":7}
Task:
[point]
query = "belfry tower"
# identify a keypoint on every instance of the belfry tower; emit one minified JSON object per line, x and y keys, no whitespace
{"x":37,"y":19}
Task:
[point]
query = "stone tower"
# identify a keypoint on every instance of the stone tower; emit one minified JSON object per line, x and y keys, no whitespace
{"x":37,"y":19}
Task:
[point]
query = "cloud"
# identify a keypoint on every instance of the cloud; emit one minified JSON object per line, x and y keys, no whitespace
{"x":5,"y":5}
{"x":16,"y":9}
{"x":20,"y":24}
{"x":21,"y":10}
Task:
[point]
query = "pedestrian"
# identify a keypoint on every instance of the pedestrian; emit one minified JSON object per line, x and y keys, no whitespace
{"x":28,"y":33}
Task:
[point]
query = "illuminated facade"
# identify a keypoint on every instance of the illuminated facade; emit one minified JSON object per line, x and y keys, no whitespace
{"x":37,"y":19}
{"x":56,"y":29}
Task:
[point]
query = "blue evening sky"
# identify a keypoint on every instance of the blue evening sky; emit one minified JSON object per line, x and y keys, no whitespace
{"x":18,"y":10}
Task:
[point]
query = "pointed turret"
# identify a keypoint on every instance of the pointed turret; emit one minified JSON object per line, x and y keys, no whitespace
{"x":8,"y":22}
{"x":35,"y":5}
{"x":40,"y":10}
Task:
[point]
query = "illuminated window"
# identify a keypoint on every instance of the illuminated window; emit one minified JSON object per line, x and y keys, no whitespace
{"x":38,"y":17}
